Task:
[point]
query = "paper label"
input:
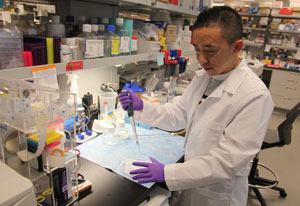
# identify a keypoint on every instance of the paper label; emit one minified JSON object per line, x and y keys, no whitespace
{"x":133,"y":45}
{"x":100,"y":48}
{"x":124,"y":44}
{"x":90,"y":48}
{"x":267,"y":48}
{"x":297,"y":56}
{"x":115,"y":45}
{"x":160,"y":59}
{"x":187,"y":39}
{"x":71,"y":66}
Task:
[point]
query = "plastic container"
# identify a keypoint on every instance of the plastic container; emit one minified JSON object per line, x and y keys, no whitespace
{"x":56,"y":29}
{"x":110,"y":98}
{"x":135,"y":87}
{"x":121,"y":131}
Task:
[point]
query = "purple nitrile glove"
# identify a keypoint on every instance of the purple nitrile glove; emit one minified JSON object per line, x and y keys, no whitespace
{"x":153,"y":172}
{"x":128,"y":97}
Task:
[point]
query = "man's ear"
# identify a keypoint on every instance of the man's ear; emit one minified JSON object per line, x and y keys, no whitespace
{"x":238,"y":46}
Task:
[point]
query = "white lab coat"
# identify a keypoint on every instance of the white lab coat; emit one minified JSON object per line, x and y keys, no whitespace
{"x":223,"y":135}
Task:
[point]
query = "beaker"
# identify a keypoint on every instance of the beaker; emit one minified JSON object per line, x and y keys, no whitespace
{"x":107,"y":136}
{"x":110,"y":98}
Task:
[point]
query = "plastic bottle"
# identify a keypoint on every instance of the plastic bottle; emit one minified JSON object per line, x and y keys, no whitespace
{"x":187,"y":37}
{"x":112,"y":42}
{"x":65,"y":54}
{"x":105,"y":21}
{"x":69,"y":25}
{"x":134,"y":42}
{"x":29,"y":27}
{"x":80,"y":21}
{"x":73,"y":49}
{"x":99,"y":41}
{"x":101,"y":30}
{"x":90,"y":41}
{"x":56,"y":29}
{"x":124,"y":36}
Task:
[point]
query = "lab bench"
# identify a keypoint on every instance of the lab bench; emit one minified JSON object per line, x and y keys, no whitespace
{"x":109,"y":188}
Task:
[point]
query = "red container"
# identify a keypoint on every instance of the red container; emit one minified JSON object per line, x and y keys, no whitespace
{"x":175,"y":2}
{"x":286,"y":11}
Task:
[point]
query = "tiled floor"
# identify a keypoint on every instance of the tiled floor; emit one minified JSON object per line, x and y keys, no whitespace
{"x":285,"y":161}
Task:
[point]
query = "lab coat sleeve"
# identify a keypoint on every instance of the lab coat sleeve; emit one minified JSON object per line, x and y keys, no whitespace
{"x":241,"y":140}
{"x":169,"y":116}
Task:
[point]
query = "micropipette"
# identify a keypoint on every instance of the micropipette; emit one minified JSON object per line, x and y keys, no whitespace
{"x":131,"y":117}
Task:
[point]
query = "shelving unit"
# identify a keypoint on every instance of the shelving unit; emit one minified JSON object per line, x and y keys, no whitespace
{"x":175,"y":9}
{"x":255,"y":29}
{"x":286,"y":16}
{"x":281,"y":31}
{"x":252,"y":43}
{"x":258,"y":15}
{"x":25,"y":72}
{"x":285,"y":47}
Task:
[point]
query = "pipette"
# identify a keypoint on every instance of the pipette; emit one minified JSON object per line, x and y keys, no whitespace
{"x":131,"y":117}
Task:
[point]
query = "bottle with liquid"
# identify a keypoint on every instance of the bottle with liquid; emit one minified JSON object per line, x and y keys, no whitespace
{"x":80,"y":21}
{"x":124,"y":37}
{"x":105,"y":21}
{"x":101,"y":30}
{"x":99,"y":40}
{"x":90,"y":42}
{"x":72,"y":48}
{"x":112,"y":42}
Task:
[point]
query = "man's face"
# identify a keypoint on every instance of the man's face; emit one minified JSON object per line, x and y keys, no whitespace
{"x":213,"y":52}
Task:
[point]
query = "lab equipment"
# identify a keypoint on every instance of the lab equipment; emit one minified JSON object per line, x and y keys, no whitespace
{"x":110,"y":98}
{"x":15,"y":189}
{"x":130,"y":108}
{"x":34,"y":133}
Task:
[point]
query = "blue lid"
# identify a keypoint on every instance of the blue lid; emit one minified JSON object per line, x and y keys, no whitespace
{"x":173,"y":53}
{"x":70,"y":18}
{"x":110,"y":28}
{"x":134,"y":87}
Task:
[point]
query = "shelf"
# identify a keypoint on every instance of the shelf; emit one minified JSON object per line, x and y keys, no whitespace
{"x":281,"y":31}
{"x":285,"y":47}
{"x":188,"y":52}
{"x":258,"y":15}
{"x":141,"y":2}
{"x":255,"y":29}
{"x":252,"y":43}
{"x":286,"y":16}
{"x":175,"y":9}
{"x":25,"y":72}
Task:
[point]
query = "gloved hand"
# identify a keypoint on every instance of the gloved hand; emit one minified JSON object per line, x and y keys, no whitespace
{"x":126,"y":100}
{"x":153,"y":172}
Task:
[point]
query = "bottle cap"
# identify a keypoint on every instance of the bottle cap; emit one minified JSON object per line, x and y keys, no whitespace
{"x":104,"y":20}
{"x":56,"y":19}
{"x":94,"y":20}
{"x":94,"y":27}
{"x":110,"y":28}
{"x":81,"y":19}
{"x":87,"y":28}
{"x":70,"y":18}
{"x":119,"y":21}
{"x":187,"y":28}
{"x":101,"y":27}
{"x":135,"y":37}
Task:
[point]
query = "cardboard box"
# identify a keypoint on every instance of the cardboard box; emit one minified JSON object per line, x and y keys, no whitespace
{"x":164,"y":1}
{"x":274,"y":25}
{"x":171,"y":33}
{"x":264,"y":10}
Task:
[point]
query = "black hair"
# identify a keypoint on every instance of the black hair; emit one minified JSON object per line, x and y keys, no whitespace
{"x":226,"y":18}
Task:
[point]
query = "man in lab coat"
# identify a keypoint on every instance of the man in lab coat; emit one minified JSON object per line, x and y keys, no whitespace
{"x":225,"y":110}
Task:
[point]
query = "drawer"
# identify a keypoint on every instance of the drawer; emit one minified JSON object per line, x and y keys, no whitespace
{"x":285,"y":76}
{"x":288,"y":90}
{"x":285,"y":102}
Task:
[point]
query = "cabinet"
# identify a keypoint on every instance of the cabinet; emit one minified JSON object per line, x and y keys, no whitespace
{"x":285,"y":88}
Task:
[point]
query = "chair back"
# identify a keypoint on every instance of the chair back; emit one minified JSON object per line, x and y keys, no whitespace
{"x":285,"y":128}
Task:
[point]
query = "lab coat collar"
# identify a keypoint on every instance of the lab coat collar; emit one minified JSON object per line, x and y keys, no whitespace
{"x":231,"y":83}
